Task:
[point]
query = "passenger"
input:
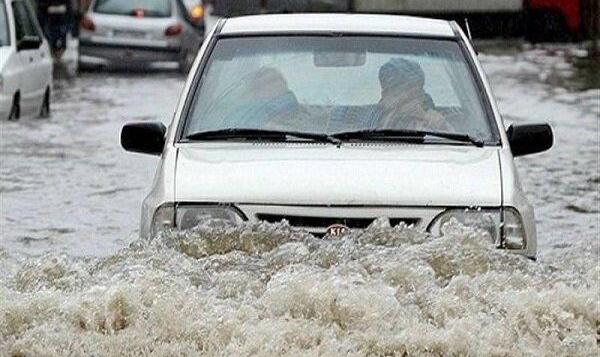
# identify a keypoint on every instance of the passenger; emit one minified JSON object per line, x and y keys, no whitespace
{"x":404,"y":103}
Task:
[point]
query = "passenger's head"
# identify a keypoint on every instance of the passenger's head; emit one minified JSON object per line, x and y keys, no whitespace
{"x":402,"y":81}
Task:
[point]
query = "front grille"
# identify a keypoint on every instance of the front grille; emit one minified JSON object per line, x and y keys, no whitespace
{"x":324,"y":222}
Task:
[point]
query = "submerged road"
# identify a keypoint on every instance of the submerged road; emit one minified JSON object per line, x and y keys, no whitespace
{"x":74,"y":281}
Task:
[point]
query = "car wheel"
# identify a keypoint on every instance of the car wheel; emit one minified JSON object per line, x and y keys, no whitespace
{"x":80,"y":66}
{"x":15,"y":110}
{"x":45,"y":110}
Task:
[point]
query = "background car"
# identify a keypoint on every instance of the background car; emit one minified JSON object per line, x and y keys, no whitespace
{"x":25,"y":63}
{"x":138,"y":32}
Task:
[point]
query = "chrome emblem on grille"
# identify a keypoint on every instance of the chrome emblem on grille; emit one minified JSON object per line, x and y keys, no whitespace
{"x":337,"y":230}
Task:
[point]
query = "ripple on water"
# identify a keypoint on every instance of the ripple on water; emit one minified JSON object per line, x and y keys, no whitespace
{"x":270,"y":289}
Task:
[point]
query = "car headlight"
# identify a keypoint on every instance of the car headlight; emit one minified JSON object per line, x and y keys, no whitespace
{"x":513,"y":230}
{"x":189,"y":216}
{"x":504,"y":227}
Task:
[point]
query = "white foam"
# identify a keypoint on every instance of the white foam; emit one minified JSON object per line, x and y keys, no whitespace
{"x":270,"y":290}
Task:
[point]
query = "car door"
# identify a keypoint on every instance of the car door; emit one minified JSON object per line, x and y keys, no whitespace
{"x":28,"y":59}
{"x":42,"y":59}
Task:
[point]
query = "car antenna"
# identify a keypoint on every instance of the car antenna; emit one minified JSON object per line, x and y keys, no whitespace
{"x":469,"y":35}
{"x":468,"y":30}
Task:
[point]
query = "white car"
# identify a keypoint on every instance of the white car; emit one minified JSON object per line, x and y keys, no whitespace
{"x":332,"y":121}
{"x":25,"y":63}
{"x":139,"y":32}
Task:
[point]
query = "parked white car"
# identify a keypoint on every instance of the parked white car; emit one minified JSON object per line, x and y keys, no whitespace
{"x":332,"y":121}
{"x":25,"y":63}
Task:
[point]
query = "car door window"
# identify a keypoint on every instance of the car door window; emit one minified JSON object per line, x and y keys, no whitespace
{"x":4,"y":32}
{"x":24,"y":25}
{"x":34,"y":26}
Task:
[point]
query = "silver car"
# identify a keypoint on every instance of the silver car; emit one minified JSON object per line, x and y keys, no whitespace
{"x":138,"y":32}
{"x":332,"y":121}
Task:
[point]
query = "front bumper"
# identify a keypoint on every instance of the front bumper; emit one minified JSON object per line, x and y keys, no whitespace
{"x":316,"y":219}
{"x":99,"y":53}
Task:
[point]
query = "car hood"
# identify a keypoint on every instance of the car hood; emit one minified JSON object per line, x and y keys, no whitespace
{"x":322,"y":174}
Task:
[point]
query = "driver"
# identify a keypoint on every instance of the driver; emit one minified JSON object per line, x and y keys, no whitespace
{"x":270,"y":100}
{"x":272,"y":104}
{"x":404,"y":103}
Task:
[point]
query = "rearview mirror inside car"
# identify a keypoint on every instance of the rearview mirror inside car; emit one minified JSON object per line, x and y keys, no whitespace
{"x":339,"y":59}
{"x":530,"y":138}
{"x":144,"y":137}
{"x":29,"y":43}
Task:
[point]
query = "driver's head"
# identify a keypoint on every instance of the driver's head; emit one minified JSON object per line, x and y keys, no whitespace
{"x":402,"y":81}
{"x":267,"y":83}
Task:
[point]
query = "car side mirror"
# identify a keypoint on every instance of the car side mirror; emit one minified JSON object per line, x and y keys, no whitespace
{"x":29,"y":43}
{"x":529,"y":138}
{"x":144,"y":137}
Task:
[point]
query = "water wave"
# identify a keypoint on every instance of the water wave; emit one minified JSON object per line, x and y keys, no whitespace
{"x":264,"y":289}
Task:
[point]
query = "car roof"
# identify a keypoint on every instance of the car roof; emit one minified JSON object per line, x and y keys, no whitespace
{"x":348,"y":23}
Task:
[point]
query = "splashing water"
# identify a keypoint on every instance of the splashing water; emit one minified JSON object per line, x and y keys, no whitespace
{"x":263,"y":289}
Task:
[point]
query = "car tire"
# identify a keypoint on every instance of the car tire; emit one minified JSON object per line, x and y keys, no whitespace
{"x":15,"y":109}
{"x":45,"y":110}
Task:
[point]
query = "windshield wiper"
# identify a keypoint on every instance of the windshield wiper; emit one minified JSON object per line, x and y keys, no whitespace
{"x":260,"y":134}
{"x":402,"y":134}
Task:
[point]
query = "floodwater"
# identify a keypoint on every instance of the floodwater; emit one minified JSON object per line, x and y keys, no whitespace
{"x":75,"y":280}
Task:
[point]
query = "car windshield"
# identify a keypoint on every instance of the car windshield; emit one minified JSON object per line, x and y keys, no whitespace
{"x":4,"y":33}
{"x":336,"y":84}
{"x":141,"y":8}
